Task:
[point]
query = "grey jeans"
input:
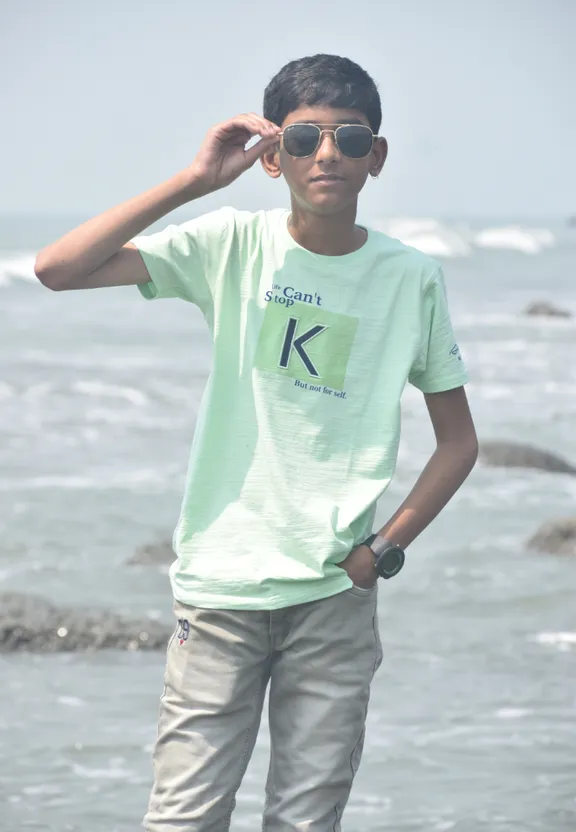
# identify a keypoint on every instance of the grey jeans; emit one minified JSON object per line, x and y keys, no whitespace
{"x":319,"y":659}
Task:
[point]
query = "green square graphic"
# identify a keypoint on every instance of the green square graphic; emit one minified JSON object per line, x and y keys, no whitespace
{"x":322,"y":358}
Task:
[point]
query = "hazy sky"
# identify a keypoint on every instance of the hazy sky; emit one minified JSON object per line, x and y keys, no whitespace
{"x":101,"y":100}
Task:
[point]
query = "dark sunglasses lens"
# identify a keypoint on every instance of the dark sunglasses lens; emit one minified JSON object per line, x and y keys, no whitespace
{"x":301,"y":139}
{"x":354,"y":140}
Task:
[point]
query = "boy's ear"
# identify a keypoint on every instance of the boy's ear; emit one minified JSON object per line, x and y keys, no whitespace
{"x":380,"y":152}
{"x":270,"y":161}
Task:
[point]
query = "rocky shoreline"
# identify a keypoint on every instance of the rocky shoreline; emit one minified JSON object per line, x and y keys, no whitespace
{"x":506,"y":454}
{"x":32,"y":624}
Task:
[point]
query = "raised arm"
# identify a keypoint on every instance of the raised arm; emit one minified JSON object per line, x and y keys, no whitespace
{"x":98,"y":252}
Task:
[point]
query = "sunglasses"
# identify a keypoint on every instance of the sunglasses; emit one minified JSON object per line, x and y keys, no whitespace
{"x":354,"y":141}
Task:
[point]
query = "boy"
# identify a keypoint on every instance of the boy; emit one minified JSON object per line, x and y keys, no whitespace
{"x":317,"y":325}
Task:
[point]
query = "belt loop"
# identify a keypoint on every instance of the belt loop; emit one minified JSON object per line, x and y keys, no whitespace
{"x":270,"y":636}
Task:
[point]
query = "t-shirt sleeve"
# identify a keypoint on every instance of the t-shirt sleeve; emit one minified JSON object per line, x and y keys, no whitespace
{"x":439,"y":365}
{"x":184,"y":261}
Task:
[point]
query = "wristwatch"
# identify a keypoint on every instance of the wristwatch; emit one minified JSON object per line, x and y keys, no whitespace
{"x":388,"y":557}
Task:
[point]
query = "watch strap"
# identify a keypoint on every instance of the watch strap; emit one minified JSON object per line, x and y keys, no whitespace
{"x":378,"y":544}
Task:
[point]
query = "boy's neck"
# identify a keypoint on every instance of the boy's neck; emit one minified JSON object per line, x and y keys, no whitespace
{"x":332,"y":235}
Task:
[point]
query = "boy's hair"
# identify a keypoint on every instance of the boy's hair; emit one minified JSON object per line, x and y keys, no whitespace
{"x":322,"y":79}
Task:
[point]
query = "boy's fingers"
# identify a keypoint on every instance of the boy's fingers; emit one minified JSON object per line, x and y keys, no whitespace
{"x":260,"y":127}
{"x":232,"y":127}
{"x":268,"y":127}
{"x":256,"y":125}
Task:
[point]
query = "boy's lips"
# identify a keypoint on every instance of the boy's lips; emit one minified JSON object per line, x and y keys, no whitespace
{"x":327,"y":177}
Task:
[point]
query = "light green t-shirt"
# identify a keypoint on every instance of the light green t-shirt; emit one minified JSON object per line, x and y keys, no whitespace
{"x":298,"y":429}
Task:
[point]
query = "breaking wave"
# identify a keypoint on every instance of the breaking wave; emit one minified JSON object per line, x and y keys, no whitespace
{"x":16,"y":265}
{"x":442,"y":240}
{"x":428,"y":235}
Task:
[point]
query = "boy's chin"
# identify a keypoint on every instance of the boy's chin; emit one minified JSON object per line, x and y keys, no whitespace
{"x":327,"y":204}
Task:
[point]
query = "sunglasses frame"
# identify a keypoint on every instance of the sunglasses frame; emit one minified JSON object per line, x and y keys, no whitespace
{"x":323,"y":128}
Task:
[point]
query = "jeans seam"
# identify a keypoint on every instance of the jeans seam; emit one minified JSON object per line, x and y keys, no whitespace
{"x":377,"y":650}
{"x":337,"y":816}
{"x":339,"y":808}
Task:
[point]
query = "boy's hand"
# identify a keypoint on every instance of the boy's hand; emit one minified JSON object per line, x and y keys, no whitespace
{"x":222,"y":157}
{"x":359,"y":565}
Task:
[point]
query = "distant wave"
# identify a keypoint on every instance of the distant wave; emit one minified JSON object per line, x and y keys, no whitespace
{"x":428,"y":235}
{"x":92,"y":388}
{"x":440,"y":240}
{"x":16,"y":265}
{"x":561,"y":641}
{"x":100,"y":389}
{"x":138,"y":479}
{"x":528,"y":240}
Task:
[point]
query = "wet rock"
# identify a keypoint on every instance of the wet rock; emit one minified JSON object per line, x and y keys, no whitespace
{"x":516,"y":455}
{"x":546,"y":309}
{"x":153,"y":554}
{"x":555,"y":536}
{"x":32,"y":624}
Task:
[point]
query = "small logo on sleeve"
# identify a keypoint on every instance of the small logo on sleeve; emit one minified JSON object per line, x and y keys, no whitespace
{"x":456,"y":351}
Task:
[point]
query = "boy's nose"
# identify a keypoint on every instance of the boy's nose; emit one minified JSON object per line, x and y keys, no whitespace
{"x":327,"y":149}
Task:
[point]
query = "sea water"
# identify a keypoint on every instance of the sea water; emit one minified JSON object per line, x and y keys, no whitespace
{"x":472,"y":725}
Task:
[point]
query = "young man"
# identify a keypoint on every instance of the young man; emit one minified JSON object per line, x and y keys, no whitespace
{"x":317,"y":325}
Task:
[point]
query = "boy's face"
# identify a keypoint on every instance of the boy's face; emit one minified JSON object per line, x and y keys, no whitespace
{"x":331,"y":195}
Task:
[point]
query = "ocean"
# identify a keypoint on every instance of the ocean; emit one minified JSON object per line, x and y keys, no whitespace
{"x":472,"y":725}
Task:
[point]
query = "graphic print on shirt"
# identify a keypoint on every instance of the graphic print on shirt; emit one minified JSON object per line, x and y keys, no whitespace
{"x":304,"y":341}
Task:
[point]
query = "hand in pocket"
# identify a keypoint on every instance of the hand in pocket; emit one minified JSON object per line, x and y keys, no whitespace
{"x":359,"y":566}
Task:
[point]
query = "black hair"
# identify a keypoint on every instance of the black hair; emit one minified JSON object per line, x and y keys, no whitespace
{"x":322,"y":79}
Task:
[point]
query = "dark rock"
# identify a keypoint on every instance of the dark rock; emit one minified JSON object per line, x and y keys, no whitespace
{"x":153,"y":554}
{"x":542,"y":307}
{"x":515,"y":455}
{"x":32,"y":624}
{"x":556,"y":536}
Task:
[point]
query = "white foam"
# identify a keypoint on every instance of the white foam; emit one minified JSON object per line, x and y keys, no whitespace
{"x":515,"y":238}
{"x":88,"y":361}
{"x":145,"y":479}
{"x":427,"y":235}
{"x":116,"y":771}
{"x":17,"y":265}
{"x":71,"y":701}
{"x":42,"y":789}
{"x":441,"y":240}
{"x":100,"y":389}
{"x":102,"y":415}
{"x":561,"y":640}
{"x":513,"y":713}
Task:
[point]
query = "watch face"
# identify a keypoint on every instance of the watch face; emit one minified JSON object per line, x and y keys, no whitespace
{"x":390,"y":562}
